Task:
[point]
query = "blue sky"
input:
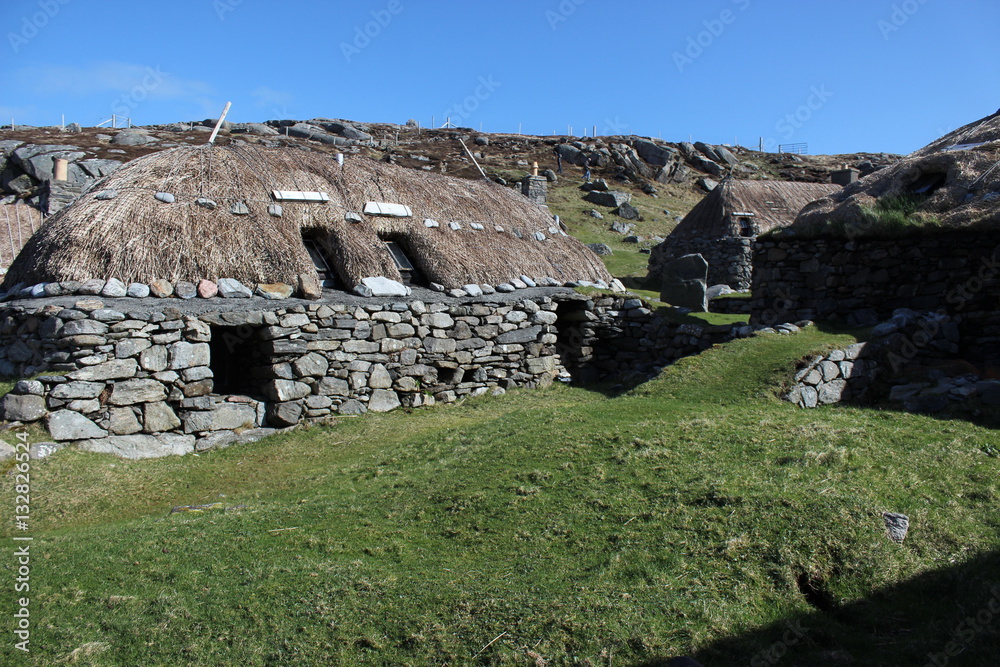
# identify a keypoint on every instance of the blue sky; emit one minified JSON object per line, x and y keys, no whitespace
{"x":844,"y":76}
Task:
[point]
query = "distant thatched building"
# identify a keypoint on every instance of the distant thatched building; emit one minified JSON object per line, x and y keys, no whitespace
{"x":722,"y":226}
{"x":286,"y":216}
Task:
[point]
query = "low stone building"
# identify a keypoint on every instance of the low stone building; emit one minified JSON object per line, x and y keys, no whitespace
{"x":722,"y":227}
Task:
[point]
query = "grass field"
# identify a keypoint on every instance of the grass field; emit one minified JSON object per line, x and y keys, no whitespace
{"x":697,"y":514}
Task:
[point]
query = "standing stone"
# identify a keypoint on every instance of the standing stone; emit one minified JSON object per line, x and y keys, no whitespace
{"x":685,"y":283}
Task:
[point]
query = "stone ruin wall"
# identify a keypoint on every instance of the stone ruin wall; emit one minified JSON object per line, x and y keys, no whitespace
{"x":863,"y":282}
{"x":142,"y":384}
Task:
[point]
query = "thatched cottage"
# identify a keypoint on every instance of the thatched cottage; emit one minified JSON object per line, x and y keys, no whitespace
{"x":225,"y":236}
{"x":722,"y":226}
{"x":17,"y":223}
{"x":268,"y":215}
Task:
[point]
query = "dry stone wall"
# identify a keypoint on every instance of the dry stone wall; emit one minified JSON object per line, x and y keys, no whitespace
{"x":863,"y":282}
{"x":172,"y":380}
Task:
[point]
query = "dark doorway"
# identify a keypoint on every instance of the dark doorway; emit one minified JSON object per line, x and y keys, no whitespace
{"x":575,"y":340}
{"x":235,"y":355}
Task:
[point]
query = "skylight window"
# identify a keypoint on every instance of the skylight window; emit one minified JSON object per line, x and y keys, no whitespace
{"x":388,"y":210}
{"x":300,"y":195}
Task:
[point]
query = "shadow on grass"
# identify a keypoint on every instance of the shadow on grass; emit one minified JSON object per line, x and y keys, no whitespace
{"x":949,"y":616}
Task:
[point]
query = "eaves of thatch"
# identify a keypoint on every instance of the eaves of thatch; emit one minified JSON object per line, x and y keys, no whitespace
{"x":485,"y":233}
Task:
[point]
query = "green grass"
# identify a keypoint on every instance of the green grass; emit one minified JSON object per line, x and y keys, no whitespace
{"x":559,"y":524}
{"x":889,"y":217}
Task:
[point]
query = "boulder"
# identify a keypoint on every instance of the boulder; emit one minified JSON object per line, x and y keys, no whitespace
{"x":685,"y":283}
{"x":114,"y":288}
{"x":274,"y":291}
{"x":158,"y":417}
{"x":281,"y":415}
{"x":602,"y":249}
{"x":22,"y":408}
{"x":185,"y":290}
{"x":207,"y":289}
{"x":383,"y":400}
{"x":130,"y":392}
{"x":141,"y":446}
{"x":69,"y":425}
{"x":161,"y":289}
{"x":658,"y":156}
{"x":132,"y":138}
{"x":225,"y":417}
{"x":138,"y":291}
{"x":230,"y":288}
{"x":379,"y":286}
{"x":612,"y":199}
{"x":627,"y":212}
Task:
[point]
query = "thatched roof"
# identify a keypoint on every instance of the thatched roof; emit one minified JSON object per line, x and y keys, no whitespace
{"x":137,"y":238}
{"x":771,"y":204}
{"x":953,"y":182}
{"x":17,"y":223}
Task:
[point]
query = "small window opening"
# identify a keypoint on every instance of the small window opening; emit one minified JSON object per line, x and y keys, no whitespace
{"x":407,"y":269}
{"x":321,"y":262}
{"x":234,"y":356}
{"x":927,"y":184}
{"x":746,"y":227}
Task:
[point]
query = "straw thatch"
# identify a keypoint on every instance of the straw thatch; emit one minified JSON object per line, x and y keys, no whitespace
{"x":17,"y":223}
{"x":953,"y":182}
{"x":136,"y":238}
{"x":771,"y":204}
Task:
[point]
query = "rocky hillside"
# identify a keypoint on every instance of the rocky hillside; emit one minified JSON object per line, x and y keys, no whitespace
{"x":27,"y":154}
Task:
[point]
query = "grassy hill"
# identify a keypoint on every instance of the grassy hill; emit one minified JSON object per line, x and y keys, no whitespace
{"x":697,"y":514}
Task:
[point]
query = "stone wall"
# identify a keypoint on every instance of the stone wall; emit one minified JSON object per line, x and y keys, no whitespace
{"x":170,"y":380}
{"x":863,"y":282}
{"x":147,"y":383}
{"x":729,"y":259}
